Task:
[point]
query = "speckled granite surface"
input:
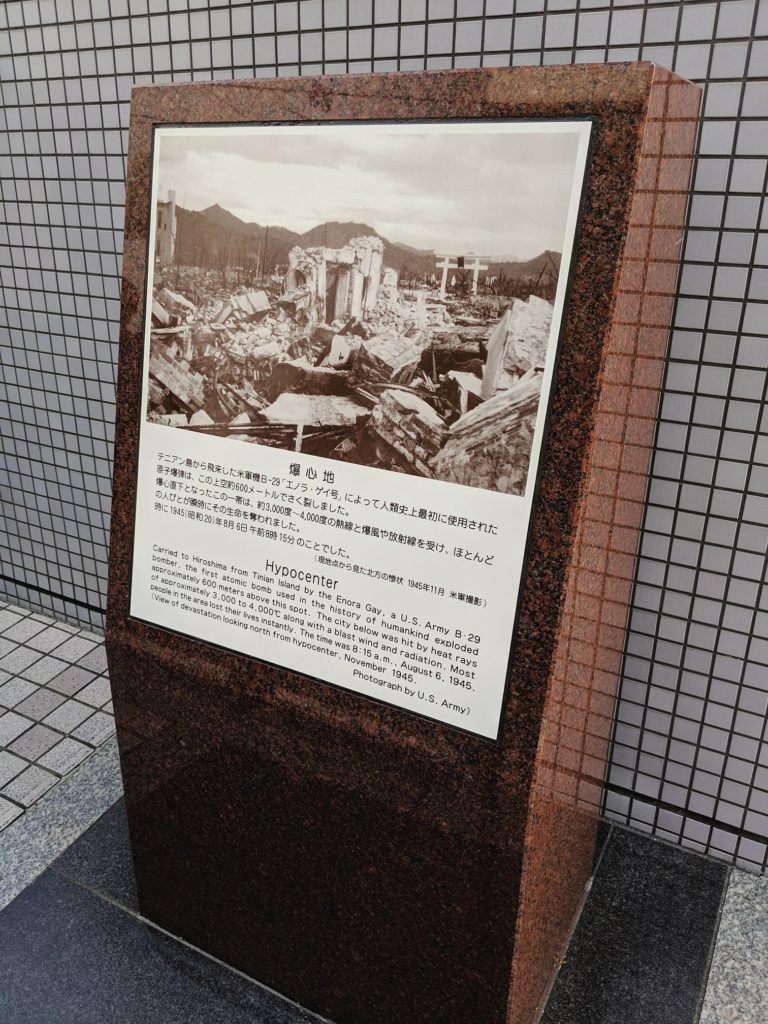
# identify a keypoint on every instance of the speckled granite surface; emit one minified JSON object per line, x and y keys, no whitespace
{"x":400,"y":872}
{"x":29,"y":844}
{"x":69,"y":956}
{"x":75,"y":947}
{"x":641,"y":948}
{"x":737,"y":990}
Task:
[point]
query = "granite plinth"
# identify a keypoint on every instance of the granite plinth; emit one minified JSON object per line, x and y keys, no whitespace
{"x":395,"y":870}
{"x":641,"y":949}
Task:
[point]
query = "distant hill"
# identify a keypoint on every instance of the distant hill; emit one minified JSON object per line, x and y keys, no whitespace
{"x":228,"y":221}
{"x":334,"y":234}
{"x":216,"y":238}
{"x":527,"y":268}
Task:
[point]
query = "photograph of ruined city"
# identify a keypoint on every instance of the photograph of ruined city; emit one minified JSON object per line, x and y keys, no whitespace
{"x":371,"y":296}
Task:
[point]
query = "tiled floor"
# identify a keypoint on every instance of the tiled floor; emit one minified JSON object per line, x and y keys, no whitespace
{"x":76,"y":948}
{"x":666,"y":936}
{"x":55,"y":705}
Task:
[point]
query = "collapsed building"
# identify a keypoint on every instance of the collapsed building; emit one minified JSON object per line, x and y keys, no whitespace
{"x":337,"y":361}
{"x":335,"y":284}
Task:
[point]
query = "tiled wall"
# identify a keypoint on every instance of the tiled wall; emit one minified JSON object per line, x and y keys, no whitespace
{"x":691,"y":753}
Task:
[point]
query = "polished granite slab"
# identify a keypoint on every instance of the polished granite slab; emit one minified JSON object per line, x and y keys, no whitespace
{"x":71,"y":957}
{"x":78,"y":950}
{"x":101,"y":860}
{"x":640,"y":952}
{"x":737,"y":990}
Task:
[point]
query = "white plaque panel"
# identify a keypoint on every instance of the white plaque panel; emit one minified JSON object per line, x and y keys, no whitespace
{"x":386,"y":559}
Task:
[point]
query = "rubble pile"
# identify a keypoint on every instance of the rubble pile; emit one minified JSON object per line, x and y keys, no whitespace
{"x":406,"y":431}
{"x":334,"y":359}
{"x":244,"y":307}
{"x":390,"y":356}
{"x":528,"y":335}
{"x":490,"y":446}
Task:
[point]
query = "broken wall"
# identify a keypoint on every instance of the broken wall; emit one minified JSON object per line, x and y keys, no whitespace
{"x":357,"y":271}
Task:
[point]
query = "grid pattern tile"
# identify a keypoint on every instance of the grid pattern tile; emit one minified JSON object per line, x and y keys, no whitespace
{"x":55,"y":704}
{"x":690,"y":758}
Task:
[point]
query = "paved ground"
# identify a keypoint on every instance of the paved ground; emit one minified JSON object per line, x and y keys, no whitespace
{"x":55,"y":705}
{"x":666,"y":936}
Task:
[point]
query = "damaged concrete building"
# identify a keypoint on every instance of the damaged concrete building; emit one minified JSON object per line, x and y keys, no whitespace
{"x":165,"y":231}
{"x":339,"y":362}
{"x":336,"y":283}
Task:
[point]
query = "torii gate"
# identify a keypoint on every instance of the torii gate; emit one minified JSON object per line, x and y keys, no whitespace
{"x":446,"y":265}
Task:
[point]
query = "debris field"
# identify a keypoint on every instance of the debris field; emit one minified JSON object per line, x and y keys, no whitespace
{"x":336,"y":361}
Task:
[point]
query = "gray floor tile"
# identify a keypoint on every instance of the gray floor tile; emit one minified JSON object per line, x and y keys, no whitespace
{"x":75,"y":648}
{"x":15,"y":691}
{"x":8,"y":812}
{"x":41,"y":617}
{"x":10,"y":766}
{"x":44,"y":670}
{"x":6,"y":646}
{"x":96,"y":660}
{"x":17,"y":609}
{"x":49,"y":639}
{"x":19,"y":659}
{"x":8,"y":618}
{"x":62,"y":624}
{"x":34,"y":742}
{"x":71,"y":680}
{"x":30,"y":785}
{"x":40,"y":704}
{"x":96,"y":637}
{"x":68,"y":716}
{"x":23,"y":630}
{"x":97,"y":693}
{"x":737,"y":990}
{"x":95,"y":729}
{"x":4,"y":676}
{"x":11,"y":726}
{"x":64,"y":756}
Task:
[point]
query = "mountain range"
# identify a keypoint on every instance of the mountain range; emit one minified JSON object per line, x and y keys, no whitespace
{"x":214,"y":237}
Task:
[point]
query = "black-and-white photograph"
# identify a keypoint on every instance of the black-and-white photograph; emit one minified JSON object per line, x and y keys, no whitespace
{"x":375,"y":295}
